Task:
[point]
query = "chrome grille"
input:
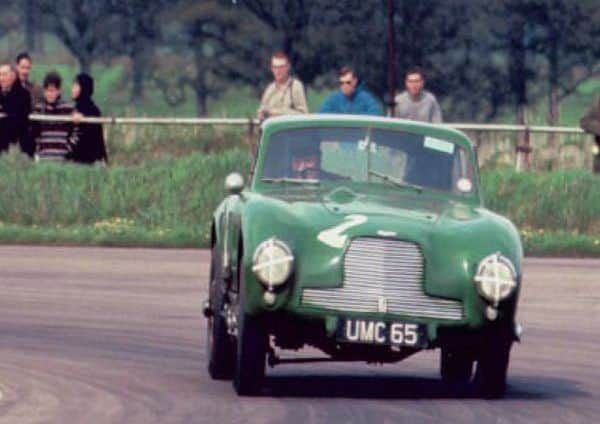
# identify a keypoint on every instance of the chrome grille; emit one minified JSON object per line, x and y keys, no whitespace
{"x":383,"y":275}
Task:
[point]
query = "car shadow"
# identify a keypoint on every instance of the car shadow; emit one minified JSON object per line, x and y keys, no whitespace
{"x":402,"y":387}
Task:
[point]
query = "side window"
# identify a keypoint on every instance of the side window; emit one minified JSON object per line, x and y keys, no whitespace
{"x":462,"y":172}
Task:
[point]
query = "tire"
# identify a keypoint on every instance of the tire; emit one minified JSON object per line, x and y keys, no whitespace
{"x":220,"y":349}
{"x":492,"y":368}
{"x":251,"y":349}
{"x":456,"y":367}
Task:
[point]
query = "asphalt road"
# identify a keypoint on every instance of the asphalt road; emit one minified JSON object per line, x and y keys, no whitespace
{"x":117,"y":336}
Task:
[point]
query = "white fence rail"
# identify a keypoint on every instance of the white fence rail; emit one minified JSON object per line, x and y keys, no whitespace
{"x":515,"y":141}
{"x":252,"y":121}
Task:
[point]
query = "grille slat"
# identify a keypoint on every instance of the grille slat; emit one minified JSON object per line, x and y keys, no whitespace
{"x":376,"y":268}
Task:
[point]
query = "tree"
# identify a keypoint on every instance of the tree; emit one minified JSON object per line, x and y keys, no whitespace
{"x":566,"y":37}
{"x":29,"y":18}
{"x":211,"y":46}
{"x":83,"y":26}
{"x":138,"y":32}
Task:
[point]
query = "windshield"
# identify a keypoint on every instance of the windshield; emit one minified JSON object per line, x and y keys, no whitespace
{"x":368,"y":155}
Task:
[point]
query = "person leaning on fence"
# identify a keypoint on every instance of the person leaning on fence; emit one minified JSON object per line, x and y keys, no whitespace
{"x":15,"y":106}
{"x":591,"y":123}
{"x":352,"y":98}
{"x":87,"y":139}
{"x":416,"y":103}
{"x":52,"y":139}
{"x":285,"y":95}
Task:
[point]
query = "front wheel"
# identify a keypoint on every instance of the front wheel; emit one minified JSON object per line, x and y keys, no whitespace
{"x":219,"y":346}
{"x":251,"y":352}
{"x":492,"y":367}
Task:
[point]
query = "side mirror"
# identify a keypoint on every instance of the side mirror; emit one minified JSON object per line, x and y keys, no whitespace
{"x":234,"y":183}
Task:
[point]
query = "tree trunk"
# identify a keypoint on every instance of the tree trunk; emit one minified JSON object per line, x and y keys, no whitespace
{"x":553,"y":107}
{"x":201,"y":93}
{"x":201,"y":101}
{"x":85,"y":63}
{"x":200,"y":89}
{"x":30,"y":25}
{"x":518,"y":85}
{"x":137,"y":70}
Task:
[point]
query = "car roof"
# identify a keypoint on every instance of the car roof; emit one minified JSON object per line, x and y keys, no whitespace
{"x":308,"y":120}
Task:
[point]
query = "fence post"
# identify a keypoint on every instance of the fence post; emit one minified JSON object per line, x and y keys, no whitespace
{"x":251,"y":143}
{"x":524,"y":152}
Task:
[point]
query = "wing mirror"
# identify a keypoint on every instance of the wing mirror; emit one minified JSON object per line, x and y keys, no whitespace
{"x":234,"y":183}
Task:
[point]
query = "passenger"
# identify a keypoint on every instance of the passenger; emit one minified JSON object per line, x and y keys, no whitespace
{"x":416,"y":103}
{"x":352,"y":97}
{"x":24,"y":65}
{"x":591,"y":124}
{"x":285,"y":95}
{"x":88,"y":139}
{"x":52,"y":139}
{"x":15,"y":106}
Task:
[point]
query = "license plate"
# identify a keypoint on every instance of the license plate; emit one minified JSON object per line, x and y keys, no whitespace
{"x":382,"y":333}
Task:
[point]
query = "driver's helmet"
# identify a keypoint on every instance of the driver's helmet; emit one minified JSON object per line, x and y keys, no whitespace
{"x":305,"y":159}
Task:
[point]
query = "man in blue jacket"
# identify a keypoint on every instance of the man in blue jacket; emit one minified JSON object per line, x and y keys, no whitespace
{"x":352,"y":98}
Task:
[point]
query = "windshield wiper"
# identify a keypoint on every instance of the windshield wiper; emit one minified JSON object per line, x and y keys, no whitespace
{"x":396,"y":182}
{"x":292,"y":180}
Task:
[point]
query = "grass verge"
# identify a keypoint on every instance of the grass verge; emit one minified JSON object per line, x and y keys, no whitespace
{"x":536,"y":242}
{"x":168,"y":202}
{"x":118,"y":236}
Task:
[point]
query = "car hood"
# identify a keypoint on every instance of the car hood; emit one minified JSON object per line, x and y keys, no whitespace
{"x":398,"y":208}
{"x":318,"y":225}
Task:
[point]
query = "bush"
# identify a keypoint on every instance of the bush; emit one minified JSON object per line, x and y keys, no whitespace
{"x":169,"y":202}
{"x":566,"y":200}
{"x":160,"y":194}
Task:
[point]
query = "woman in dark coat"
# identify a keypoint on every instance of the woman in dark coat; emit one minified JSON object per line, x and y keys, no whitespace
{"x":88,"y":139}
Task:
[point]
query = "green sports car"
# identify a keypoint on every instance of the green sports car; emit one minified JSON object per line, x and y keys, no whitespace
{"x":366,"y":238}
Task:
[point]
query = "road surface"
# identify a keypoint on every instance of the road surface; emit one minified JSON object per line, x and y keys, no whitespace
{"x":95,"y":335}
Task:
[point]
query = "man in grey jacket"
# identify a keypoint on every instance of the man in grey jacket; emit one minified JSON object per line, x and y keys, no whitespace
{"x":416,"y":103}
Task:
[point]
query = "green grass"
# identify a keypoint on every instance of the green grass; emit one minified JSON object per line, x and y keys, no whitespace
{"x":560,"y":244}
{"x":158,"y":195}
{"x":536,"y":243}
{"x":168,"y":202}
{"x":566,"y":200}
{"x":123,"y":235}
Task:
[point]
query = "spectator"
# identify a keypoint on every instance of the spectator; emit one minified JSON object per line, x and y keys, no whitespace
{"x":591,"y":123}
{"x":285,"y":95}
{"x":352,"y":98}
{"x":24,"y":64}
{"x":88,"y":139}
{"x":15,"y":105}
{"x":415,"y":103}
{"x":52,"y":139}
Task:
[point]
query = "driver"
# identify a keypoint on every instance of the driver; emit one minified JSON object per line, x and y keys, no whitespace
{"x":306,"y":163}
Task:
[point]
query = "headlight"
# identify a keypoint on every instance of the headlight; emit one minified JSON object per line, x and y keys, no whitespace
{"x":496,"y":278}
{"x":272,"y":262}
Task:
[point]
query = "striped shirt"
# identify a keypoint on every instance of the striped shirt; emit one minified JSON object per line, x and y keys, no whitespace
{"x":53,"y":140}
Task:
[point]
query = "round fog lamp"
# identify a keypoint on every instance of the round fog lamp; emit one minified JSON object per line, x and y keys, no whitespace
{"x":496,"y":278}
{"x":272,"y":262}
